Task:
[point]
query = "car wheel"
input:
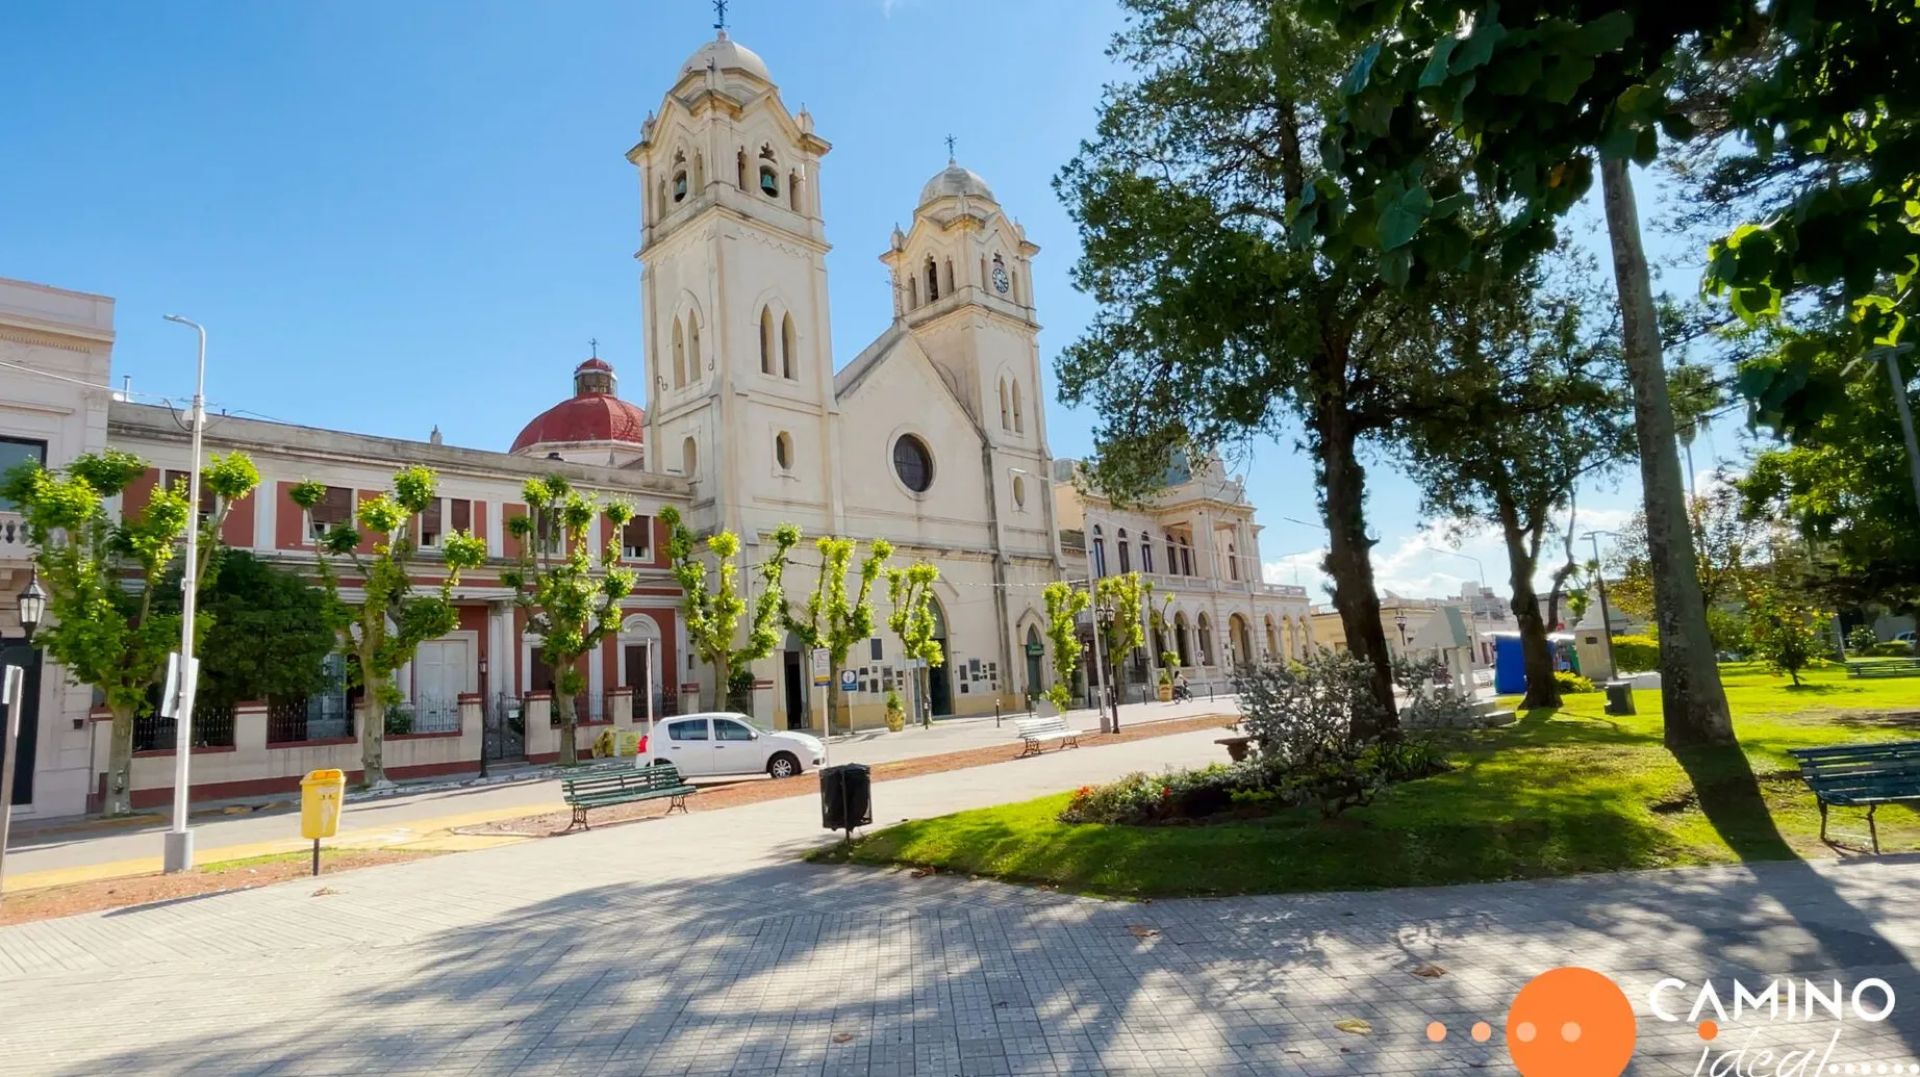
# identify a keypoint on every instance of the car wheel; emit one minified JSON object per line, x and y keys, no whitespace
{"x":783,"y":765}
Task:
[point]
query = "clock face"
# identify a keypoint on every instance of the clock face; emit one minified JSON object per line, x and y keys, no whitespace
{"x":1000,"y":279}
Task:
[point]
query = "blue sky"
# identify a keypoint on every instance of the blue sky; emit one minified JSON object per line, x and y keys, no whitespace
{"x":396,"y":216}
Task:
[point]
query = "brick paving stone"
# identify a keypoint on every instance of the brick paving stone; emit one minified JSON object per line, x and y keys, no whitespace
{"x":698,"y":947}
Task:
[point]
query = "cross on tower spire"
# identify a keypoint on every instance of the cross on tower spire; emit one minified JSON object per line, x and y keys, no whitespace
{"x":594,"y":343}
{"x":950,"y":147}
{"x":720,"y":14}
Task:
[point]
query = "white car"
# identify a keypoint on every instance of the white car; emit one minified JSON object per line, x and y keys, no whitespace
{"x":721,"y":742}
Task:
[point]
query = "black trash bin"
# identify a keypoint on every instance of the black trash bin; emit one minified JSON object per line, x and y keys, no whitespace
{"x":846,"y":797}
{"x":1620,"y":697}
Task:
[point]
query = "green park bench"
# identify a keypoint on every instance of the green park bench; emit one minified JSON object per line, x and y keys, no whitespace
{"x":625,"y":787}
{"x":1861,"y":776}
{"x":1899,"y":667}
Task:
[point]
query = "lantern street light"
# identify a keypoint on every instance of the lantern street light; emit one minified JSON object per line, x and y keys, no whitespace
{"x":1400,"y":620}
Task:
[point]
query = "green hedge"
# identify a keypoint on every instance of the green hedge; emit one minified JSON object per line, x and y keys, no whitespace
{"x":1636,"y":654}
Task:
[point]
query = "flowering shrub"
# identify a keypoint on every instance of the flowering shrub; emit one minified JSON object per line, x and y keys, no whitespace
{"x":1176,"y":794}
{"x":1572,"y":684}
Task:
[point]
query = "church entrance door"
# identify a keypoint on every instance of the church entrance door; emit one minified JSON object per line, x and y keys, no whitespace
{"x":793,"y":674}
{"x":939,"y":684}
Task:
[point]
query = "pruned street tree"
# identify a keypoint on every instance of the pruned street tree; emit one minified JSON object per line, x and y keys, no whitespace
{"x":572,"y":605}
{"x":387,"y":623}
{"x":107,"y":634}
{"x":1122,"y":604}
{"x":1065,"y":604}
{"x":910,"y":597}
{"x":833,"y":620}
{"x":713,"y":614}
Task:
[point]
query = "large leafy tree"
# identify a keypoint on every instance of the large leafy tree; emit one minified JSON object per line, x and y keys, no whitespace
{"x":269,"y":634}
{"x":1539,"y":94}
{"x":572,"y":604}
{"x":1732,"y":553}
{"x":713,"y":613}
{"x":910,"y":596}
{"x":383,"y":628}
{"x":1523,"y":405}
{"x":834,"y":620}
{"x":1217,"y":322}
{"x":108,"y":635}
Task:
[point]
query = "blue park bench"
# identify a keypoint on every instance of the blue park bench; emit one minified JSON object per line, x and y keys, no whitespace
{"x":1907,"y":667}
{"x":1861,"y":776}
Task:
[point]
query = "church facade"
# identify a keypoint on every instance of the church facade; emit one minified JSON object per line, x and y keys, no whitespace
{"x":932,"y":438}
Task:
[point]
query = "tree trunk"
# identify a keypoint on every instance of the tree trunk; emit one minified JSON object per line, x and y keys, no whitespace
{"x":1694,"y":705}
{"x":1536,"y":651}
{"x":374,"y":730}
{"x":722,"y":673}
{"x":563,"y":710}
{"x":833,"y":695}
{"x":1349,"y":553}
{"x":120,"y":762}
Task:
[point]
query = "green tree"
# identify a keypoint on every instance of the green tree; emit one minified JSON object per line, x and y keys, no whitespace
{"x":1123,"y":600}
{"x":1787,"y":635}
{"x":1536,"y":93}
{"x":910,"y":595}
{"x":107,"y":635}
{"x":713,"y":616}
{"x":386,"y":626}
{"x":1861,"y":639}
{"x":1217,"y":321}
{"x":1731,"y":545}
{"x":1520,"y":407}
{"x":834,"y":621}
{"x":1064,"y":606}
{"x":571,"y":604}
{"x":269,"y":630}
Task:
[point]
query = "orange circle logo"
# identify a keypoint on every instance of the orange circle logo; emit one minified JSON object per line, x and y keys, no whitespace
{"x":1571,"y":1022}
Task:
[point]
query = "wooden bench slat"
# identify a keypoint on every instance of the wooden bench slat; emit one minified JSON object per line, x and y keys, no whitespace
{"x":1861,"y":775}
{"x":627,"y":787}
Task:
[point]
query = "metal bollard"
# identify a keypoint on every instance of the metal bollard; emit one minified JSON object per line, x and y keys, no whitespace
{"x":996,"y":714}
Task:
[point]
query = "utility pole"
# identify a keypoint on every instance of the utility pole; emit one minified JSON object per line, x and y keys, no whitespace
{"x":1093,"y":615}
{"x":179,"y":840}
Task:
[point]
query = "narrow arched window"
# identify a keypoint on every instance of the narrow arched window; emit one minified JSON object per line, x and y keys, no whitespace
{"x":679,"y":356}
{"x":1233,"y":562}
{"x":1126,"y":555}
{"x":1099,"y":552}
{"x":913,"y":292}
{"x":1019,"y":418}
{"x":949,"y":276}
{"x":689,"y":458}
{"x":740,"y":166}
{"x":1173,"y":558}
{"x":680,"y":186}
{"x":933,"y":280}
{"x":789,"y":345}
{"x":1004,"y":424}
{"x":793,"y":191}
{"x":766,"y":340}
{"x":1146,"y":554}
{"x":783,"y":450}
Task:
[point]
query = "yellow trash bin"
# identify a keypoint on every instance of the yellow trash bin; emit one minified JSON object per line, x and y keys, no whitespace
{"x":322,"y":792}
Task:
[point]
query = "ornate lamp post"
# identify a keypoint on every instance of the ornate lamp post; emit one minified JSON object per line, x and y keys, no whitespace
{"x":1400,"y":621}
{"x":33,"y":608}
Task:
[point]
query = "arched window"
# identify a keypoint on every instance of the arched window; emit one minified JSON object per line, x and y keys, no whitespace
{"x":1180,"y":638}
{"x":740,"y":165}
{"x":679,"y":356}
{"x":1099,"y":552}
{"x":1126,"y":557}
{"x":793,"y":191}
{"x":769,"y":181}
{"x":1004,"y":424}
{"x":1019,"y":419}
{"x":1173,"y":558}
{"x":1206,"y":641}
{"x":783,"y":450}
{"x":1233,"y":562}
{"x":690,"y":459}
{"x":766,"y":340}
{"x":1186,"y":556}
{"x":788,"y":346}
{"x":1146,"y":555}
{"x":933,"y":280}
{"x":680,"y":185}
{"x":1273,"y":640}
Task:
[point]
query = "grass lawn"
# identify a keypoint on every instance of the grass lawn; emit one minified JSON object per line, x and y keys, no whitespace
{"x":1558,"y":793}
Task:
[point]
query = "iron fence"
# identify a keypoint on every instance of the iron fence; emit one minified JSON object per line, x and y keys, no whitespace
{"x":212,"y":728}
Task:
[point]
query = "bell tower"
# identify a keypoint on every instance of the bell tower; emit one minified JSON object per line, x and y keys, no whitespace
{"x":733,"y":294}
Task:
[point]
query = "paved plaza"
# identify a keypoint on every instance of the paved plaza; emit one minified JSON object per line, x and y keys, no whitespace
{"x":699,"y":945}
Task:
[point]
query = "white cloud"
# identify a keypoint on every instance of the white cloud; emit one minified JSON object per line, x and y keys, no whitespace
{"x":1302,"y":568}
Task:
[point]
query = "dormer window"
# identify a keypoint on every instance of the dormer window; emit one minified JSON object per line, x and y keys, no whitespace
{"x":769,"y":182}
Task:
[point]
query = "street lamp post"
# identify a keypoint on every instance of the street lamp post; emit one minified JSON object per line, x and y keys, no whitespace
{"x":1606,"y":622}
{"x":33,"y":607}
{"x":179,"y":841}
{"x":1400,"y":621}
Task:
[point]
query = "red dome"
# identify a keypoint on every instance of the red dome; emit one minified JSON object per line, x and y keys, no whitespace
{"x":593,"y":414}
